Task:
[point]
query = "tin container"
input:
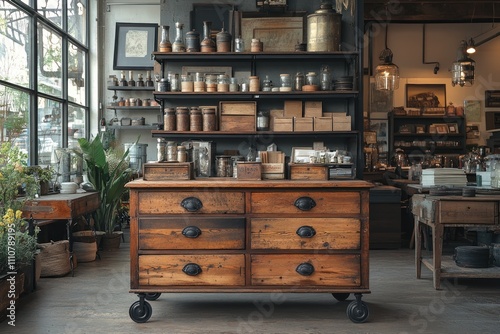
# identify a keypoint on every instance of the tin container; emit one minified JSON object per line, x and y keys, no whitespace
{"x":224,"y":166}
{"x":193,"y":41}
{"x":169,"y":119}
{"x":324,"y":29}
{"x":195,"y":119}
{"x":171,"y":151}
{"x":182,"y":118}
{"x":209,"y":120}
{"x":223,"y":41}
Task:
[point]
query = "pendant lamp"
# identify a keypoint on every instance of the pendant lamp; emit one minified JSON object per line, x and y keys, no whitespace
{"x":387,"y":73}
{"x":462,"y":70}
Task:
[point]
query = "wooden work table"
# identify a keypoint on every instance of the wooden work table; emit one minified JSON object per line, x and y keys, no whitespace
{"x":439,"y":212}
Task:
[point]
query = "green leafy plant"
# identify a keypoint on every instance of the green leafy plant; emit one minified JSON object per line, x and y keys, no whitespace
{"x":108,"y":171}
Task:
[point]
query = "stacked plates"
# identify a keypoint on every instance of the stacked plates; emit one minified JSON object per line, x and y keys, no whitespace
{"x":68,"y":187}
{"x":344,"y":83}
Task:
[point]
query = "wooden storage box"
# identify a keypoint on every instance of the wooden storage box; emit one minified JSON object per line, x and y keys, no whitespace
{"x":303,"y":124}
{"x":282,"y":124}
{"x":293,"y":108}
{"x":237,"y":116}
{"x":273,"y":171}
{"x":165,"y":171}
{"x":249,"y":170}
{"x":341,"y":123}
{"x":323,"y":124}
{"x":313,"y":109}
{"x":308,"y":171}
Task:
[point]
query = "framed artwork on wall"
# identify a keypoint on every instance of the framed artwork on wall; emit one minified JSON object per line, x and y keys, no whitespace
{"x":431,"y":98}
{"x":134,"y":44}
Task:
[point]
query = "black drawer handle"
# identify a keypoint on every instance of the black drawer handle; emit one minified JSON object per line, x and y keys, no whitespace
{"x":191,"y":204}
{"x":192,"y":269}
{"x":191,"y":232}
{"x":306,"y":232}
{"x":304,"y":203}
{"x":305,"y":269}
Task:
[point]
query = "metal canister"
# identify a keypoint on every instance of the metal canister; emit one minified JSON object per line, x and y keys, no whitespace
{"x":223,"y":41}
{"x":193,"y":41}
{"x":224,"y":166}
{"x":323,"y":29}
{"x":171,"y":151}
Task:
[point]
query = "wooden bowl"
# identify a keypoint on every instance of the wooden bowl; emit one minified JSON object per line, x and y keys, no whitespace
{"x":310,"y":88}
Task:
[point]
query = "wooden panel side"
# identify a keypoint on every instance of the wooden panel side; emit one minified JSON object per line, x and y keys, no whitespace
{"x":468,"y":212}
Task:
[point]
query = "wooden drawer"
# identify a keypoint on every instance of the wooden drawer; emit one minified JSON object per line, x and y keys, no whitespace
{"x":341,"y":270}
{"x":151,"y":202}
{"x":468,"y":212}
{"x":192,"y":233}
{"x":285,"y":233}
{"x":167,"y":270}
{"x":331,"y":203}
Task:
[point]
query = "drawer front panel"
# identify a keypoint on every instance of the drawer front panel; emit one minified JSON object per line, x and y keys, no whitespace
{"x":311,"y":202}
{"x":167,"y":270}
{"x":192,"y":233}
{"x":469,"y":212}
{"x":310,"y":233}
{"x":341,"y":270}
{"x":191,"y":202}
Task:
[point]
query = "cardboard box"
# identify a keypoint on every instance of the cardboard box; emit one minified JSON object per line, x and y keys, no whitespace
{"x":249,"y":170}
{"x":282,"y":124}
{"x":313,"y":109}
{"x":293,"y":108}
{"x":323,"y":124}
{"x":237,"y":116}
{"x":308,"y":171}
{"x":341,"y":123}
{"x":303,"y":124}
{"x":165,"y":171}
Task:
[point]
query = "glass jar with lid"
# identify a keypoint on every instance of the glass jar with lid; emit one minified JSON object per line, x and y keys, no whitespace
{"x":285,"y":83}
{"x":173,"y":79}
{"x":182,"y":118}
{"x":187,"y":84}
{"x":311,"y":79}
{"x":211,"y":82}
{"x":222,"y":83}
{"x":267,"y":84}
{"x":169,"y":119}
{"x":199,"y":83}
{"x":300,"y":81}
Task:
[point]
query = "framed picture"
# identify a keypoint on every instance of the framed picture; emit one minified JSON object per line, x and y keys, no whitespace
{"x":472,"y":110}
{"x":278,"y":34}
{"x":419,"y":128}
{"x":205,"y":70}
{"x":429,"y":97}
{"x":302,"y":154}
{"x":134,"y":44}
{"x":442,"y":128}
{"x":453,"y":128}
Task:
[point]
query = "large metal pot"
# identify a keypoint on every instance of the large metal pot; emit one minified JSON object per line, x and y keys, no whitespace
{"x":323,"y":29}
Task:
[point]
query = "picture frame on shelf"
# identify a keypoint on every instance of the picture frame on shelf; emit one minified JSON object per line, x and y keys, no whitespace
{"x":442,"y":128}
{"x":453,"y":128}
{"x":134,"y":45}
{"x":419,"y":128}
{"x":431,"y":98}
{"x":276,"y":33}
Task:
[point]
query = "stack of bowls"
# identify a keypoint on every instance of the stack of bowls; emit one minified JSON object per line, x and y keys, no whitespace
{"x":68,"y":187}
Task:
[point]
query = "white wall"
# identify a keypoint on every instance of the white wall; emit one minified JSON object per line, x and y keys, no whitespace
{"x":441,"y":44}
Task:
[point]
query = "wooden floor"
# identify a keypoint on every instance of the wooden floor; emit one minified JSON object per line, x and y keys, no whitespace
{"x":96,"y":300}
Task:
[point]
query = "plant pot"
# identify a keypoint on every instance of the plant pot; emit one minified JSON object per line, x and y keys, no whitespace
{"x":44,"y":187}
{"x":85,"y":251}
{"x":111,"y":242}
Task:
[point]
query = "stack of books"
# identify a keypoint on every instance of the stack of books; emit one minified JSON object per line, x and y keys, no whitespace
{"x":451,"y":177}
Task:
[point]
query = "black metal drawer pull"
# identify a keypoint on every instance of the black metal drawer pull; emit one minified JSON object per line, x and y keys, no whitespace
{"x":304,"y":203}
{"x":192,"y":269}
{"x":306,"y":232}
{"x":305,"y":269}
{"x":191,"y":232}
{"x":191,"y":204}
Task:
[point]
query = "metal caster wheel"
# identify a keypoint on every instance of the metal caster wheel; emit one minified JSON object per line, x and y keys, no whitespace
{"x":357,"y":311}
{"x":341,"y":296}
{"x":152,"y":295}
{"x":140,"y":314}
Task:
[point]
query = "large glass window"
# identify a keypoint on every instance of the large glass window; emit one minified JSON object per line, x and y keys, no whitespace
{"x":44,"y":95}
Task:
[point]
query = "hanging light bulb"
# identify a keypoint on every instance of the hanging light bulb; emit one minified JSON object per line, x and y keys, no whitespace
{"x":462,"y":70}
{"x":471,"y":48}
{"x":387,"y":73}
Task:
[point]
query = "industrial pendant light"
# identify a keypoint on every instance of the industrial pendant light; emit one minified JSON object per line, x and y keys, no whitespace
{"x":462,"y":70}
{"x":387,"y":73}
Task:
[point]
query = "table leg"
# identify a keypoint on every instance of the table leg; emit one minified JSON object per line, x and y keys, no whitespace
{"x":437,"y":243}
{"x":418,"y":246}
{"x":70,"y":240}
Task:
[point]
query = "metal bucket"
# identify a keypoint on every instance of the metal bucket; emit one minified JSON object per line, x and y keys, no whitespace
{"x":324,"y":29}
{"x":137,"y":154}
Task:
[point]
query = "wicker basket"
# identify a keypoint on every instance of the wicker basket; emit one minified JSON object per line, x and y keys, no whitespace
{"x":85,"y":251}
{"x":54,"y":258}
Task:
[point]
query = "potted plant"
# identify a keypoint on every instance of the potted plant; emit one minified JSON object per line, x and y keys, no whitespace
{"x":108,"y":171}
{"x":44,"y":175}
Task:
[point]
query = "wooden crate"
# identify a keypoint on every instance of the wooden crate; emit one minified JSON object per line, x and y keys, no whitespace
{"x":165,"y":171}
{"x":282,"y":124}
{"x":322,"y":124}
{"x":341,"y":123}
{"x":237,"y":116}
{"x":293,"y":108}
{"x":273,"y":171}
{"x":313,"y":109}
{"x":308,"y":171}
{"x":249,"y":170}
{"x":303,"y":124}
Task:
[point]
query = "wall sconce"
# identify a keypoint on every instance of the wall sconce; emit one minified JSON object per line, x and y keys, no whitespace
{"x":462,"y":70}
{"x":387,"y":73}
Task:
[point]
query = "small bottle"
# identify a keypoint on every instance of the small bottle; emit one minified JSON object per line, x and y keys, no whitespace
{"x":131,"y":81}
{"x":326,"y":78}
{"x":254,"y":84}
{"x":199,"y":83}
{"x":233,"y":85}
{"x":161,"y":149}
{"x":173,"y":79}
{"x":207,"y":44}
{"x":181,"y":153}
{"x":178,"y":45}
{"x":266,"y":84}
{"x":123,"y":81}
{"x":262,"y":121}
{"x":163,"y":85}
{"x":165,"y":45}
{"x":140,"y":80}
{"x":223,"y":83}
{"x":223,"y":41}
{"x":239,"y":45}
{"x":171,"y":151}
{"x":211,"y":83}
{"x":299,"y":81}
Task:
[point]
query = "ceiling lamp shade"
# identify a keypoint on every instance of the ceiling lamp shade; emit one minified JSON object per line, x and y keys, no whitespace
{"x":462,"y":70}
{"x":387,"y":73}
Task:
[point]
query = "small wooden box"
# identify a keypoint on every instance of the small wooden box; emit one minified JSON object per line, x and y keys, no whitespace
{"x":272,"y":114}
{"x":293,"y":108}
{"x":313,"y":109}
{"x":308,"y":171}
{"x":237,"y":116}
{"x":322,"y":124}
{"x":165,"y":171}
{"x":249,"y":170}
{"x":303,"y":124}
{"x":273,"y":171}
{"x":341,"y":123}
{"x":282,"y":124}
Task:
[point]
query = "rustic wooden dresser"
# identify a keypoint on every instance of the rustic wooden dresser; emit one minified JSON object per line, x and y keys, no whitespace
{"x":227,"y":235}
